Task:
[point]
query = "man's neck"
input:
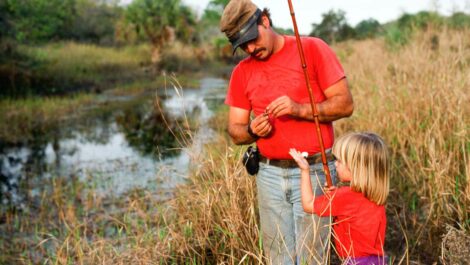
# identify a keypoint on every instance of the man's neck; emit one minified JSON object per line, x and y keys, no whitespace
{"x":278,"y":42}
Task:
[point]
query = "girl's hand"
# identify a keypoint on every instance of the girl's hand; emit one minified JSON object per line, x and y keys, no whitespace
{"x":301,"y":161}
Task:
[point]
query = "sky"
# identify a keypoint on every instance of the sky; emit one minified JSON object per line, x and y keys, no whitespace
{"x":310,"y":11}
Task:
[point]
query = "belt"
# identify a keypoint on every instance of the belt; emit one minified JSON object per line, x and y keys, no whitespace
{"x":290,"y":163}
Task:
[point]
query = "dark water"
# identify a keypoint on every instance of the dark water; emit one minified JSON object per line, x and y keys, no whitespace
{"x":116,"y":150}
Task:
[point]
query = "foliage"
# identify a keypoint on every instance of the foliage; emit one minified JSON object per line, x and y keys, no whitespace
{"x":160,"y":20}
{"x":421,"y":20}
{"x":39,"y":20}
{"x":94,"y":22}
{"x":399,"y":32}
{"x":459,"y":20}
{"x":368,"y":28}
{"x":5,"y":24}
{"x":333,"y":27}
{"x":7,"y":45}
{"x":284,"y":31}
{"x":213,"y":11}
{"x":396,"y":37}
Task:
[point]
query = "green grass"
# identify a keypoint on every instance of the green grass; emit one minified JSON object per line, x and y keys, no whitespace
{"x":21,"y":119}
{"x":86,"y":62}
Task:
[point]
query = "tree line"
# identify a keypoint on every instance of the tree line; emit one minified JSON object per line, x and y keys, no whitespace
{"x":161,"y":23}
{"x":105,"y":22}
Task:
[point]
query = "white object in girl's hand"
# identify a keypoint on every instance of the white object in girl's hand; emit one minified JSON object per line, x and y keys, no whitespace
{"x":305,"y":154}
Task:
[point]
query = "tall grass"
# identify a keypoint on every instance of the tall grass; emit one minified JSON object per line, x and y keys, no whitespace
{"x":416,"y":98}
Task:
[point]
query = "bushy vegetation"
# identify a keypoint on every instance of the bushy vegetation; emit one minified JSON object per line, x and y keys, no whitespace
{"x":335,"y":28}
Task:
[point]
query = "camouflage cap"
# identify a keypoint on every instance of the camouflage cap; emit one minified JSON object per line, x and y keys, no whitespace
{"x":238,"y":22}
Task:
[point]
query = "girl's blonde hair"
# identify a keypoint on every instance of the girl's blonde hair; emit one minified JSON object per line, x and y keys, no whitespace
{"x":366,"y":156}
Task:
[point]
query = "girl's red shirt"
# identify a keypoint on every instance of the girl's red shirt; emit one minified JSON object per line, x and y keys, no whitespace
{"x":359,"y":224}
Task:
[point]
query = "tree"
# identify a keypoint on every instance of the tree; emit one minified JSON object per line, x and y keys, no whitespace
{"x":41,"y":20}
{"x":421,"y":20}
{"x":213,"y":11}
{"x":333,"y":27}
{"x":6,"y":32}
{"x":95,"y":21}
{"x":160,"y":21}
{"x":5,"y":26}
{"x":459,"y":20}
{"x":367,"y":28}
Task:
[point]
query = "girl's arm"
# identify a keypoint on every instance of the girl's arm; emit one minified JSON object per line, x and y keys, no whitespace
{"x":306,"y":192}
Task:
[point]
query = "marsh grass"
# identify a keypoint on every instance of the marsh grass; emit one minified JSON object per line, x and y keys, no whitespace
{"x":416,"y":98}
{"x":86,"y":62}
{"x":21,"y":119}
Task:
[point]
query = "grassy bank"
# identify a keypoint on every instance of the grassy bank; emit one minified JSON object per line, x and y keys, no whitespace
{"x":63,"y":68}
{"x":86,"y":62}
{"x":415,"y":97}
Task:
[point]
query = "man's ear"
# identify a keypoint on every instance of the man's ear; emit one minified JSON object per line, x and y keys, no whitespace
{"x":265,"y":22}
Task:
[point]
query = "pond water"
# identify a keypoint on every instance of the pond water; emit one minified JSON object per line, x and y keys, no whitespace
{"x":113,"y":152}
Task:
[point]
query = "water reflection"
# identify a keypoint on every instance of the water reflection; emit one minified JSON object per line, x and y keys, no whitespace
{"x":117,"y":149}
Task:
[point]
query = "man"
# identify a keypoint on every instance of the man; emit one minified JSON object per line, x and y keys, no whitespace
{"x":271,"y":84}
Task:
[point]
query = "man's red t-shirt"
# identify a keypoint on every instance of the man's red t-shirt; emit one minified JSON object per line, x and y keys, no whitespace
{"x":254,"y":84}
{"x":359,"y":224}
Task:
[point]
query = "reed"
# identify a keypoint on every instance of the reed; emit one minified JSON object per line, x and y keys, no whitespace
{"x":417,"y":99}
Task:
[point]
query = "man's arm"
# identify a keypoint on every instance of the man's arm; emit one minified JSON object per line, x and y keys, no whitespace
{"x":238,"y":122}
{"x":338,"y":104}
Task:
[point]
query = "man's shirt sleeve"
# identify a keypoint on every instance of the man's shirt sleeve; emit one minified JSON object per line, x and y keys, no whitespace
{"x":236,"y":96}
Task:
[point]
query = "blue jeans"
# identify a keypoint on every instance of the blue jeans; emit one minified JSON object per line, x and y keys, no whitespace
{"x":291,"y":236}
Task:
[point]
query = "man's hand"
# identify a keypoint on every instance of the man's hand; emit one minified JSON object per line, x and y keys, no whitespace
{"x":261,"y":126}
{"x":238,"y":122}
{"x":338,"y":104}
{"x":284,"y":106}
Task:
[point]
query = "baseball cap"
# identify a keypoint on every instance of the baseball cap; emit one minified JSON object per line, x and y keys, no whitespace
{"x":239,"y":22}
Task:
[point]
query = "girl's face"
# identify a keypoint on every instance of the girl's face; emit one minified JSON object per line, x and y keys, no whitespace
{"x":343,"y":171}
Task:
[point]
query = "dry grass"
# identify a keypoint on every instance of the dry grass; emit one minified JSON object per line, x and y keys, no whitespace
{"x":417,"y":98}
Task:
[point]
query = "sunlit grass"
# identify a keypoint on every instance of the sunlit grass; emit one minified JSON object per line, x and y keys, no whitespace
{"x":87,"y":61}
{"x":417,"y":99}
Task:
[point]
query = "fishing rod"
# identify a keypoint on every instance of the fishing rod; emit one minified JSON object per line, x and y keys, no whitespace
{"x":312,"y":101}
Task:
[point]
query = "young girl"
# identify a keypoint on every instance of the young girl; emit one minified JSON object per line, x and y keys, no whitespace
{"x":358,"y":210}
